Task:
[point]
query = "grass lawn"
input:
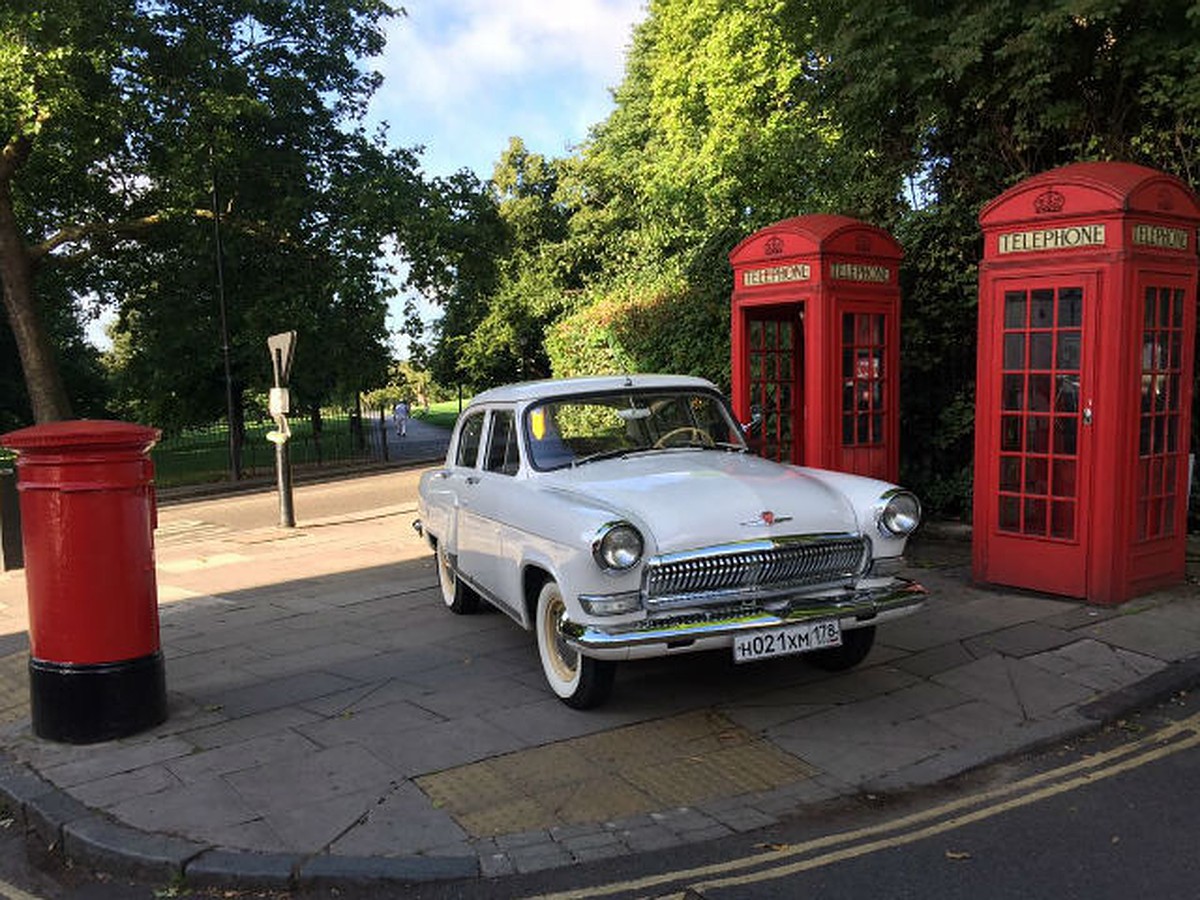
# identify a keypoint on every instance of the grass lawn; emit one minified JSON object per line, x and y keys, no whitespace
{"x":443,"y":414}
{"x":200,"y":455}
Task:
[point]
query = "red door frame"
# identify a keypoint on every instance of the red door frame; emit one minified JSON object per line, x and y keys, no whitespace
{"x":871,"y":450}
{"x":1162,"y":410}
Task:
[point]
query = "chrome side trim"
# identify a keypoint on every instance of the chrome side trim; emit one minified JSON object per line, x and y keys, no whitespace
{"x":862,"y":605}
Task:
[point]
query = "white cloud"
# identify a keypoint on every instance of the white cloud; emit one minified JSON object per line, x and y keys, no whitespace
{"x":462,"y":78}
{"x":449,"y":53}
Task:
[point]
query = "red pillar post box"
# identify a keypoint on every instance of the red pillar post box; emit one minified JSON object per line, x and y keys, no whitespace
{"x":87,"y":518}
{"x":816,"y":343}
{"x":1087,"y":324}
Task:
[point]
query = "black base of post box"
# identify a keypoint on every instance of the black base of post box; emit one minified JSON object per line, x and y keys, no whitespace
{"x":86,"y":704}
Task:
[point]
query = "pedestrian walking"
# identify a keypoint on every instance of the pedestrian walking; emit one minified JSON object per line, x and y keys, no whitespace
{"x":400,"y":414}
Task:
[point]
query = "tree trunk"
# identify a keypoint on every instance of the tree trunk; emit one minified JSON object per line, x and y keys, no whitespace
{"x":43,"y":381}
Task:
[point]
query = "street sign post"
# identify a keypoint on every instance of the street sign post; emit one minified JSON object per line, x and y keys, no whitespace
{"x":282,"y":348}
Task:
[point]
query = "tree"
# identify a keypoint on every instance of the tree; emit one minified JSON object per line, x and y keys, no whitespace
{"x":959,"y":101}
{"x":452,"y":248}
{"x":116,"y":115}
{"x":974,"y":96}
{"x":716,"y":132}
{"x":535,"y":282}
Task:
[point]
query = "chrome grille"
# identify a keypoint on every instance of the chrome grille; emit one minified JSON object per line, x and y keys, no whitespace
{"x":757,"y":567}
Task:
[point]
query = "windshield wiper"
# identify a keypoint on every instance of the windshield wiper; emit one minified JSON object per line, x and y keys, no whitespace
{"x":603,"y":454}
{"x":725,"y":446}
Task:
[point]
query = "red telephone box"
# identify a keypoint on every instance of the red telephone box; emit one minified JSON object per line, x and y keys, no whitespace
{"x":1087,"y":322}
{"x":816,"y":343}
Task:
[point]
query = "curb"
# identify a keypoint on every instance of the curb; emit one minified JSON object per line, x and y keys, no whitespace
{"x":89,"y":838}
{"x":1179,"y":676}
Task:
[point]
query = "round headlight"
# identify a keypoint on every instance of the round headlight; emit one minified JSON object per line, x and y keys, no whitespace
{"x":618,"y":546}
{"x":901,"y":515}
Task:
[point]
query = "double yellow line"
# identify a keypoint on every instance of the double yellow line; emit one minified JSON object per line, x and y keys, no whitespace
{"x":834,"y":848}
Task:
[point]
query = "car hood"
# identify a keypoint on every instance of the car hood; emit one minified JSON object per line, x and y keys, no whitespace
{"x":698,"y":498}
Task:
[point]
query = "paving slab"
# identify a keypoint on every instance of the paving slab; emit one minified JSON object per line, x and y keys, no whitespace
{"x":331,"y":723}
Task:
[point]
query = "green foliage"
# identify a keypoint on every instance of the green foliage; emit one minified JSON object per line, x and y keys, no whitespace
{"x":714,"y":135}
{"x":637,"y":328}
{"x":953,"y":103}
{"x":82,"y":368}
{"x":938,"y":336}
{"x":132,"y":124}
{"x":909,"y":115}
{"x":982,"y":94}
{"x":533,"y":279}
{"x":452,"y":249}
{"x":405,"y":382}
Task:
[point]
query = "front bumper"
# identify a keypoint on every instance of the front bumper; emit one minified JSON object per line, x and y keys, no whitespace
{"x":705,"y":631}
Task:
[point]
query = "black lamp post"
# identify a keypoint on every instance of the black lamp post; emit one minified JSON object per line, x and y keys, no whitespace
{"x":235,"y":462}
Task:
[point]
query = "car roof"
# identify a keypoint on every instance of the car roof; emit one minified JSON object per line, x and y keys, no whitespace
{"x":554,"y":388}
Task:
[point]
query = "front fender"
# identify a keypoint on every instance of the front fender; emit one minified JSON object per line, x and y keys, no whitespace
{"x":555,"y":534}
{"x":865,"y":495}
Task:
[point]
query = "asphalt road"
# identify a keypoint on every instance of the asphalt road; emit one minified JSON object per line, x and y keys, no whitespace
{"x":312,"y":502}
{"x":1124,"y":828}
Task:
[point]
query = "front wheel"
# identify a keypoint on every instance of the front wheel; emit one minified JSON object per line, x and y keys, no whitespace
{"x":457,"y":596}
{"x":856,"y":644}
{"x":579,"y":681}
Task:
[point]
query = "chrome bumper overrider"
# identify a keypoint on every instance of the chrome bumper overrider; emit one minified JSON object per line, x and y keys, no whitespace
{"x":681,"y":632}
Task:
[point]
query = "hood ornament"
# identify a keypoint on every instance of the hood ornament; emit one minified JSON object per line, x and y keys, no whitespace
{"x":768,"y":518}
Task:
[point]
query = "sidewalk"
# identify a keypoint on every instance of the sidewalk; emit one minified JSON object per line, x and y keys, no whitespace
{"x":331,"y":722}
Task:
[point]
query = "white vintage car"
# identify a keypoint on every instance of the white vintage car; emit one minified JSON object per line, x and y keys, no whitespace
{"x":623,"y":517}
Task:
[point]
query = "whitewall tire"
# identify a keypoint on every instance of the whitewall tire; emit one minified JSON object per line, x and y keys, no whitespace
{"x":579,"y":681}
{"x":457,"y":596}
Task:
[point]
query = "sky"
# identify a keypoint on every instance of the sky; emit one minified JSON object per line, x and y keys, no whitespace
{"x":462,"y":77}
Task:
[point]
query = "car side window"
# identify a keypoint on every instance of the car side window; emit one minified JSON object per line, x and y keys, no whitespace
{"x":469,"y":438}
{"x":502,"y":453}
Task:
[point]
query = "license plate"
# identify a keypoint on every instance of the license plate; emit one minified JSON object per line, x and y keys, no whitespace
{"x":787,"y":640}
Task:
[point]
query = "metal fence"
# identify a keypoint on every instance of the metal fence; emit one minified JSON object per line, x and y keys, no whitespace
{"x":199,"y":455}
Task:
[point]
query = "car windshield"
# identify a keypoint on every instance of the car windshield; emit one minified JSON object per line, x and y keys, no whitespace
{"x":574,"y":430}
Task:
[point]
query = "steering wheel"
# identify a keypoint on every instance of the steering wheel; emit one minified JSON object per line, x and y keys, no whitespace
{"x":694,"y":434}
